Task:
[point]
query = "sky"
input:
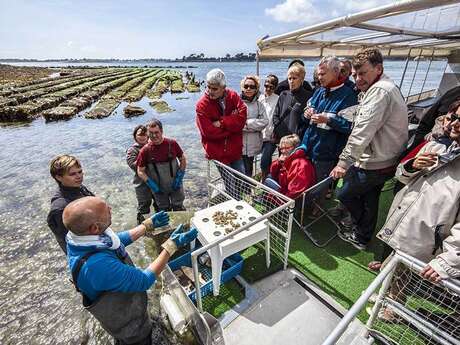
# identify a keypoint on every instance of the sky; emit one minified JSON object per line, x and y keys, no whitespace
{"x":155,"y":29}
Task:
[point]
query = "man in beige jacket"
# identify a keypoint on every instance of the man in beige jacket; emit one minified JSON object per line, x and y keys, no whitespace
{"x":424,"y":219}
{"x":371,"y":154}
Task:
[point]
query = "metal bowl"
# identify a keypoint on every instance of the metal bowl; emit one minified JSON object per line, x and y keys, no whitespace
{"x":217,"y":233}
{"x":205,"y":220}
{"x":239,"y":207}
{"x":252,"y":218}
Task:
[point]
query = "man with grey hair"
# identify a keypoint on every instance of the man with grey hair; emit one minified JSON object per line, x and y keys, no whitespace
{"x":328,"y":130}
{"x":220,"y":117}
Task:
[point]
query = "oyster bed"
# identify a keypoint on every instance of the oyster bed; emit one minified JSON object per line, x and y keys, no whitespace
{"x":70,"y":91}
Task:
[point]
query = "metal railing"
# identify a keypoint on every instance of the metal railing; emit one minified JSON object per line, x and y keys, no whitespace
{"x":225,"y":183}
{"x":408,"y":309}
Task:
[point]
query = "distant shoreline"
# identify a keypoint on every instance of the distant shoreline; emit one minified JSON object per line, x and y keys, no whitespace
{"x":83,"y":61}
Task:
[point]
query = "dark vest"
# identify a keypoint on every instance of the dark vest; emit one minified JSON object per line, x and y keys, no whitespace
{"x":122,"y":314}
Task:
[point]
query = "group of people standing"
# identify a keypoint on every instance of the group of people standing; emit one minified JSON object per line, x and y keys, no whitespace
{"x":354,"y":130}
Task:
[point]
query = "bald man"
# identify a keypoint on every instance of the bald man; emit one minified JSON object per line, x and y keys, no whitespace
{"x":113,"y":289}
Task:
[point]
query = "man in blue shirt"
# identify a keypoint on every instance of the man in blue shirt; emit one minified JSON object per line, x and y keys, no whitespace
{"x":113,"y":288}
{"x":328,"y":127}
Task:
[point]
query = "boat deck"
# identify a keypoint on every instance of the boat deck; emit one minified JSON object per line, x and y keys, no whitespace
{"x":290,"y":308}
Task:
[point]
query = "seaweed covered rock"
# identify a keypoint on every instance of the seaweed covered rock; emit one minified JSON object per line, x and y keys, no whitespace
{"x":133,"y":110}
{"x":60,"y":113}
{"x":160,"y":106}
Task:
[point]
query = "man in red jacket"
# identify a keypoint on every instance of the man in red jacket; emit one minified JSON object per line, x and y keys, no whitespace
{"x":292,"y":173}
{"x":220,"y":117}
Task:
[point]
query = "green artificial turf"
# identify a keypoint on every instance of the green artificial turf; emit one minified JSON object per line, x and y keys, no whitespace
{"x":230,"y":294}
{"x":338,"y":269}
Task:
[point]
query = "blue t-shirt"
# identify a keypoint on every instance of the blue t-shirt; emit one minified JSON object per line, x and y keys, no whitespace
{"x":325,"y":142}
{"x":104,"y":271}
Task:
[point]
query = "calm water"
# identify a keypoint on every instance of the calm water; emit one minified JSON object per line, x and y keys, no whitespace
{"x":38,"y":304}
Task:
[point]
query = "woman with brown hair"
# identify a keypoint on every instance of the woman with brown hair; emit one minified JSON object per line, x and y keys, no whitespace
{"x":143,"y":193}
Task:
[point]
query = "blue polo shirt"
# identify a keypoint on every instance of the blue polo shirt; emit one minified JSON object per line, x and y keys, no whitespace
{"x":104,"y":271}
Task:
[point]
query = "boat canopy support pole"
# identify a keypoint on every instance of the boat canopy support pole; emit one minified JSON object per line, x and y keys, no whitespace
{"x":405,"y":69}
{"x":426,"y":75}
{"x":257,"y":63}
{"x":415,"y":74}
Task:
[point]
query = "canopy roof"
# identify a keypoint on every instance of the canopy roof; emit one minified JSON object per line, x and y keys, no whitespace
{"x":411,"y":27}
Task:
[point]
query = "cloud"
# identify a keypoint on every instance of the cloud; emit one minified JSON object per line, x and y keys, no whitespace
{"x":315,"y":11}
{"x":290,"y":11}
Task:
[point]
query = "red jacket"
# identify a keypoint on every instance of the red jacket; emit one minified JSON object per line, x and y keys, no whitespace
{"x":224,"y":143}
{"x":295,"y":175}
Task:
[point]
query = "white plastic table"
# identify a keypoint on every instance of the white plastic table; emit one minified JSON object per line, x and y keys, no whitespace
{"x":209,"y":232}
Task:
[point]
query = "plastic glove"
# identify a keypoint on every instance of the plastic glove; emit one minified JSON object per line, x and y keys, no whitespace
{"x":179,"y":239}
{"x":157,"y":220}
{"x":152,"y":185}
{"x":182,"y":238}
{"x":178,"y":179}
{"x":160,"y":219}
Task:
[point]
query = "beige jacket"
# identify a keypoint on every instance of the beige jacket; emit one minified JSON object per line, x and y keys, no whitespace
{"x":425,"y":209}
{"x":380,"y":130}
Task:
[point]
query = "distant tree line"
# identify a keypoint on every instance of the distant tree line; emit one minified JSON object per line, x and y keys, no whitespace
{"x":192,"y":58}
{"x":227,"y":57}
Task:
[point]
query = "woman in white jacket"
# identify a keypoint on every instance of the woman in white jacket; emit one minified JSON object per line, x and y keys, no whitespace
{"x":269,"y":99}
{"x":256,"y":121}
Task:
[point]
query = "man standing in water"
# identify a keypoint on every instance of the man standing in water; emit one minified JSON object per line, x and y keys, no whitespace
{"x":161,"y":165}
{"x":68,"y":173}
{"x":220,"y":118}
{"x":113,"y":289}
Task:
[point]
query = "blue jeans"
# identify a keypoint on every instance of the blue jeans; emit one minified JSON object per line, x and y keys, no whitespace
{"x":360,"y":194}
{"x":248,"y":165}
{"x":271,"y":183}
{"x":238,"y":165}
{"x":267,"y":152}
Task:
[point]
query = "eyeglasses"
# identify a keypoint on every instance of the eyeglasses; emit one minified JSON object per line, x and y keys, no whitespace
{"x":249,"y":86}
{"x":269,"y":86}
{"x":286,"y":148}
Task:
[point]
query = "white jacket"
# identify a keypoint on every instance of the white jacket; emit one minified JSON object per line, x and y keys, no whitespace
{"x":380,"y":130}
{"x":256,"y":121}
{"x":426,"y":209}
{"x":269,"y":104}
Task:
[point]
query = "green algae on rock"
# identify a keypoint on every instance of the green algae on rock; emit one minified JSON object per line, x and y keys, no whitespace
{"x":132,"y":110}
{"x":62,"y":96}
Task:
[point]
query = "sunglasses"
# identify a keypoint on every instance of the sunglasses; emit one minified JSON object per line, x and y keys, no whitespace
{"x":249,"y":86}
{"x":269,"y":86}
{"x":453,"y":118}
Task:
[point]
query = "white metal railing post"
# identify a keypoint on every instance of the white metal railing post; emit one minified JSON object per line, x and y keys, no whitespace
{"x":383,"y":289}
{"x":359,"y":304}
{"x":196,"y":274}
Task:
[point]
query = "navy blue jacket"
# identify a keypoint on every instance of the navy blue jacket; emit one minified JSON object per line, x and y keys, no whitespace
{"x":325,"y":142}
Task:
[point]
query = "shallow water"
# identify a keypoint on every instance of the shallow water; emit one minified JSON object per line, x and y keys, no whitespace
{"x":37,"y":302}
